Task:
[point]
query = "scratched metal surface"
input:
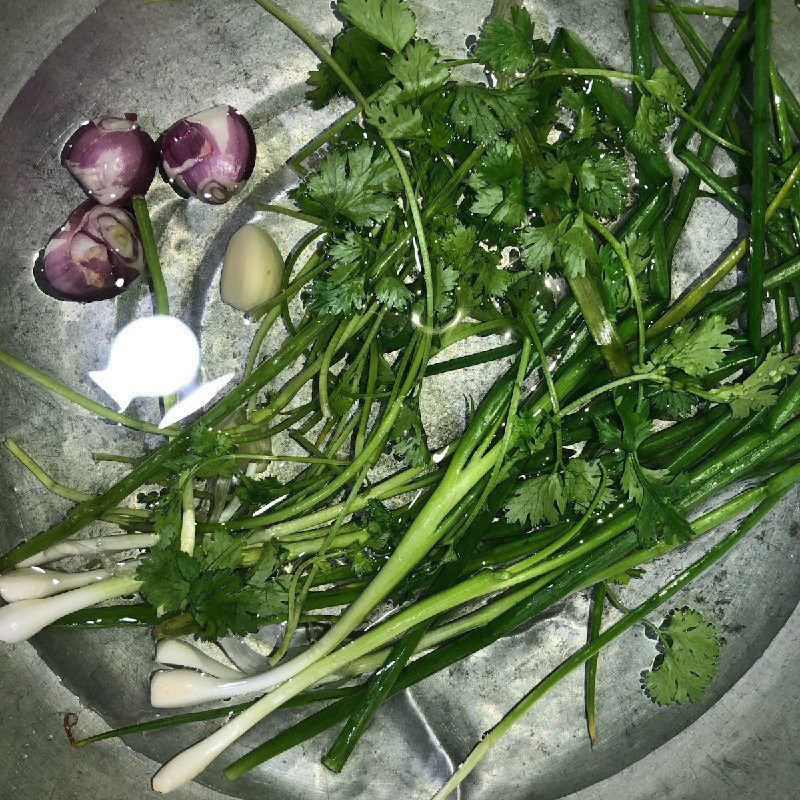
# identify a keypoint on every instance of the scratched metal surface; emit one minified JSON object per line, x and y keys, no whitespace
{"x":67,"y":61}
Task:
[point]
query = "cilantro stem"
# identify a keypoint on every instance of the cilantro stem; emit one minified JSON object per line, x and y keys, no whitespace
{"x":578,"y":404}
{"x":59,"y":489}
{"x":590,"y":679}
{"x":622,"y":255}
{"x":700,"y":10}
{"x":157,"y":283}
{"x":291,"y":212}
{"x":533,"y":333}
{"x":80,"y":400}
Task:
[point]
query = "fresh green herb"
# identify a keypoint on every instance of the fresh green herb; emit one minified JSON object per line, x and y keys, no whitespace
{"x":687,"y":661}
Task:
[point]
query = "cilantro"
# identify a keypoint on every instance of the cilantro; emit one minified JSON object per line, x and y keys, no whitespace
{"x":349,"y":249}
{"x":549,"y":186}
{"x":475,"y":270}
{"x":390,"y":22}
{"x":605,"y":182}
{"x":508,"y":47}
{"x":339,"y":298}
{"x":674,"y":405}
{"x":626,"y":576}
{"x":529,"y":433}
{"x":545,"y":498}
{"x":395,"y":120}
{"x":498,"y":185}
{"x":658,"y":518}
{"x":688,"y":659}
{"x":568,"y":241}
{"x":758,"y":389}
{"x":167,"y":576}
{"x":360,"y":57}
{"x":205,"y":444}
{"x":576,"y":249}
{"x":408,"y":435}
{"x":360,"y":185}
{"x":256,"y":492}
{"x":539,"y":244}
{"x":418,"y":69}
{"x":666,"y":88}
{"x":586,"y":125}
{"x":392,"y":292}
{"x":483,"y":114}
{"x":696,"y":348}
{"x":221,"y":603}
{"x":650,"y":489}
{"x":658,"y":107}
{"x":537,"y":500}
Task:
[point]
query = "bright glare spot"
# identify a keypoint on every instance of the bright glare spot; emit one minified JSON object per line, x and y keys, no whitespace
{"x":150,"y":357}
{"x":119,"y":282}
{"x":195,"y":401}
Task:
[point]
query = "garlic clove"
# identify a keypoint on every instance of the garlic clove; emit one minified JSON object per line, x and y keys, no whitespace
{"x":252,"y":271}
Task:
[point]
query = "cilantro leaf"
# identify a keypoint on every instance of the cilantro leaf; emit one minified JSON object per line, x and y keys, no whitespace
{"x":410,"y":442}
{"x":167,"y":576}
{"x":545,"y":498}
{"x":483,"y":114}
{"x":339,"y":298}
{"x":581,"y":481}
{"x":550,"y":185}
{"x":394,"y":119}
{"x":695,"y":348}
{"x":381,"y":526}
{"x":672,"y":405}
{"x":683,"y":670}
{"x":605,"y":182}
{"x":758,"y":389}
{"x":658,"y":518}
{"x":658,"y":107}
{"x":418,"y":69}
{"x":537,"y":500}
{"x":625,"y":577}
{"x":360,"y":57}
{"x":666,"y":88}
{"x":221,"y":551}
{"x":498,"y":184}
{"x":221,"y":603}
{"x":508,"y":47}
{"x":205,"y":444}
{"x":256,"y":492}
{"x":392,"y":292}
{"x":360,"y":185}
{"x":530,"y":434}
{"x":465,"y":264}
{"x":539,"y":244}
{"x":390,"y":22}
{"x":576,"y":249}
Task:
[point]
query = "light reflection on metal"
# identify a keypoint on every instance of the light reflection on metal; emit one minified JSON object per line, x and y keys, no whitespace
{"x":155,"y":357}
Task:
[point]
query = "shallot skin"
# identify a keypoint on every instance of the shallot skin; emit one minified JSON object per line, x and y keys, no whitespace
{"x":210,"y":154}
{"x":112,"y":159}
{"x":95,"y":255}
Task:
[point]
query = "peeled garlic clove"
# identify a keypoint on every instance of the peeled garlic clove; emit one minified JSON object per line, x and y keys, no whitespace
{"x":252,"y":270}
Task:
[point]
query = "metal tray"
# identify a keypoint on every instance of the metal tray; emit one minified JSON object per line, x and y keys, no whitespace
{"x":165,"y":60}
